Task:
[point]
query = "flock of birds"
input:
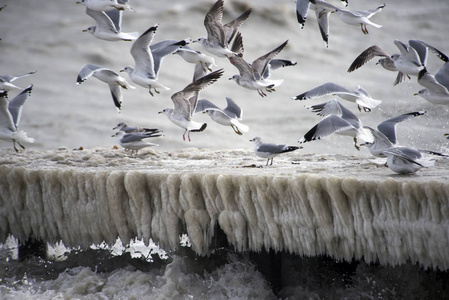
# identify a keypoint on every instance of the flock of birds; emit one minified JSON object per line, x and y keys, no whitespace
{"x":225,"y":41}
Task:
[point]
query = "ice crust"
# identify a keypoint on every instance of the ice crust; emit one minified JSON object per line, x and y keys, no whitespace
{"x":343,"y":206}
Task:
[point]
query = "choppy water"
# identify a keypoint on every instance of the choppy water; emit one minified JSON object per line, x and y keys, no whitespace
{"x":106,"y":273}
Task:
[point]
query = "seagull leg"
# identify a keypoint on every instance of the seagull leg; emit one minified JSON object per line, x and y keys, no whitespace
{"x":236,"y":130}
{"x":14,"y":144}
{"x":23,"y":147}
{"x":267,"y":162}
{"x":261,"y":93}
{"x":188,"y":135}
{"x":355,"y":144}
{"x":184,"y":135}
{"x":151,"y":93}
{"x":157,"y":92}
{"x":271,"y":161}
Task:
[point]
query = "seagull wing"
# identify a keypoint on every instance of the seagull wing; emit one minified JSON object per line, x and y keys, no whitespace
{"x":16,"y":104}
{"x":213,"y":24}
{"x":428,"y":81}
{"x":140,"y":51}
{"x":408,"y":52}
{"x":302,"y":8}
{"x":116,"y":17}
{"x":328,"y":88}
{"x":366,"y":56}
{"x":204,"y":104}
{"x":230,"y":29}
{"x":260,"y":65}
{"x":244,"y":68}
{"x":6,"y":119}
{"x":86,"y":71}
{"x":328,"y":126}
{"x":104,"y":23}
{"x":164,"y":49}
{"x":388,"y":127}
{"x":185,"y":101}
{"x":232,"y":109}
{"x":442,"y":76}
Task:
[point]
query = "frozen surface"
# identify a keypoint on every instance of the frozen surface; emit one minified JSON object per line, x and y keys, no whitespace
{"x":308,"y":204}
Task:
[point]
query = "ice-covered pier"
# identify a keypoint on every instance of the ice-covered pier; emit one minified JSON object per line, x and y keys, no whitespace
{"x":308,"y":204}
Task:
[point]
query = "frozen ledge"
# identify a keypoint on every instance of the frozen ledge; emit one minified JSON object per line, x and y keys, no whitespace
{"x":308,"y":204}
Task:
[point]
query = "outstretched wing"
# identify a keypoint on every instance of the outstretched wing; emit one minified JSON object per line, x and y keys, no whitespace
{"x":16,"y":104}
{"x":260,"y":65}
{"x":185,"y":101}
{"x":366,"y":56}
{"x":140,"y":51}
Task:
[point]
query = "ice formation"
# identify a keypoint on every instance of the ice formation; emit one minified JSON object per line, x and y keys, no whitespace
{"x":307,"y":204}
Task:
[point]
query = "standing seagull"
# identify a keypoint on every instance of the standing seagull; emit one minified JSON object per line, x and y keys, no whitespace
{"x":251,"y":76}
{"x":106,"y":29}
{"x":230,"y":116}
{"x":338,"y":119}
{"x":359,"y":96}
{"x":185,"y":103}
{"x":10,"y":114}
{"x":219,"y":36}
{"x":359,"y":17}
{"x":148,"y":60}
{"x":134,"y":141}
{"x":108,"y":76}
{"x":122,"y":126}
{"x":406,"y":160}
{"x":6,"y":81}
{"x":269,"y":151}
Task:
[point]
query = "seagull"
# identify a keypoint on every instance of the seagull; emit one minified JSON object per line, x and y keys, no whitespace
{"x":148,"y":59}
{"x":106,"y":29}
{"x":436,"y":87}
{"x":251,"y":75}
{"x":338,"y":119}
{"x":434,"y":91}
{"x":359,"y":96}
{"x":185,"y":103}
{"x":6,"y":81}
{"x":122,"y":126}
{"x":10,"y":114}
{"x":385,"y":135}
{"x":203,"y":63}
{"x":134,"y":141}
{"x":230,"y":116}
{"x":410,"y":61}
{"x":218,"y":35}
{"x":386,"y":62}
{"x":359,"y":17}
{"x":105,"y":5}
{"x":406,"y":160}
{"x":322,"y":10}
{"x":108,"y":76}
{"x":268,"y":151}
